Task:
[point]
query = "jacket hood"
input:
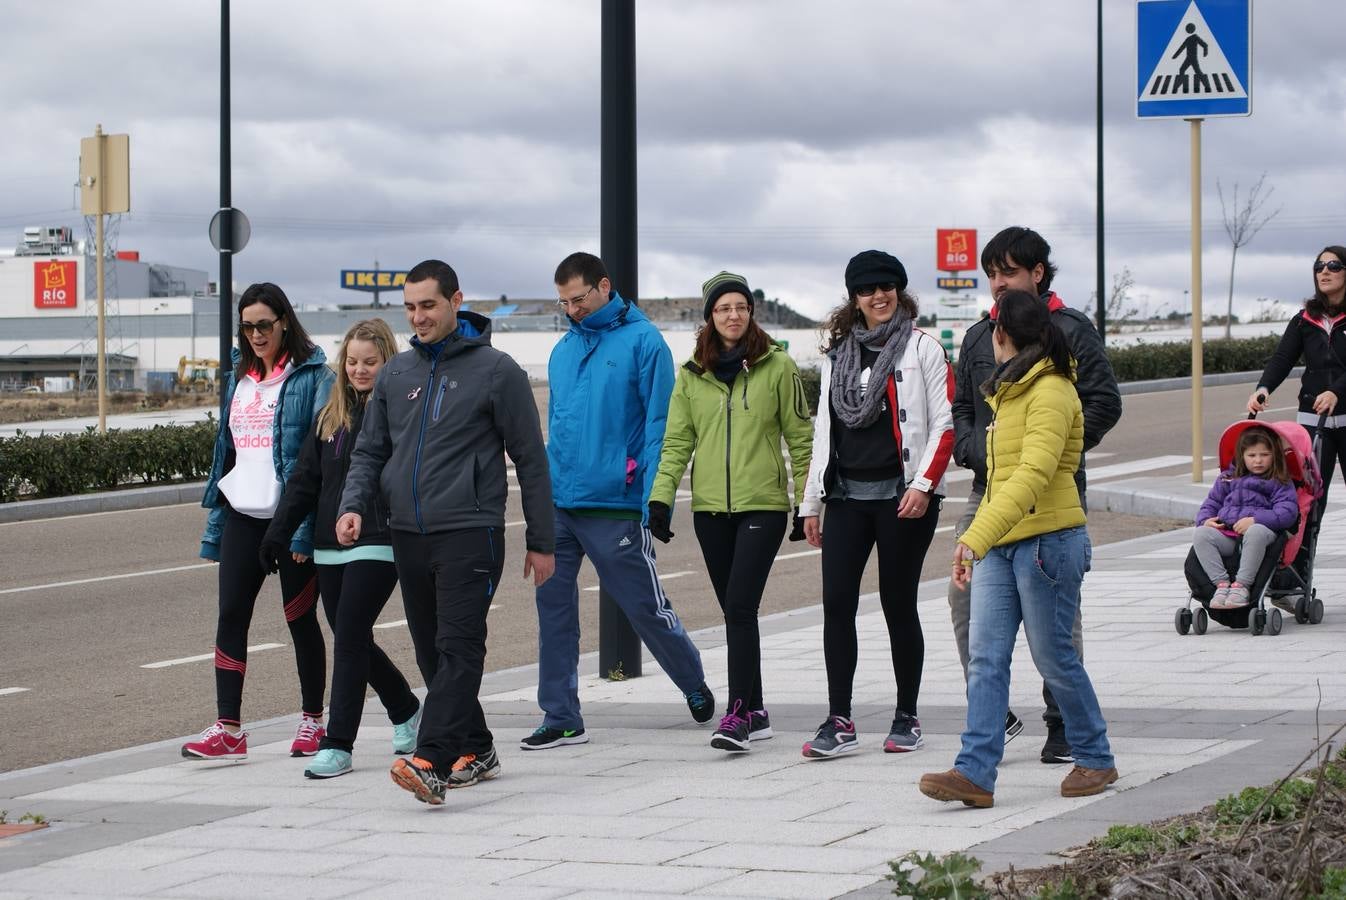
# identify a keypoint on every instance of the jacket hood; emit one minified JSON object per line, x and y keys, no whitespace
{"x":618,"y":311}
{"x":1006,"y":385}
{"x":773,"y":347}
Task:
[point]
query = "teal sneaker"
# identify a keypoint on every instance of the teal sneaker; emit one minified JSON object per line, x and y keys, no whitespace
{"x":404,"y":735}
{"x":329,"y":764}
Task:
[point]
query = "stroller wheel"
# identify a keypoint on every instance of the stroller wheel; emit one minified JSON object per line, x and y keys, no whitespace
{"x":1274,"y":622}
{"x":1182,"y":619}
{"x":1302,"y":610}
{"x":1200,"y":620}
{"x":1316,"y":611}
{"x":1257,"y":620}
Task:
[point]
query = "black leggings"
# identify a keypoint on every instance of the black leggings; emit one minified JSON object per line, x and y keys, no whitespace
{"x":353,"y":595}
{"x":241,"y":578}
{"x":739,"y":549}
{"x":852,"y":528}
{"x":1331,"y":449}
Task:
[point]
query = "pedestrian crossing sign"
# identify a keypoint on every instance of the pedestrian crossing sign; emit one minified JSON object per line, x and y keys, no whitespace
{"x":1193,"y":58}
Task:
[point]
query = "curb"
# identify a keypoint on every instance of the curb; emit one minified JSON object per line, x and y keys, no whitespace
{"x":1181,"y":384}
{"x":105,"y":501}
{"x":1134,"y":501}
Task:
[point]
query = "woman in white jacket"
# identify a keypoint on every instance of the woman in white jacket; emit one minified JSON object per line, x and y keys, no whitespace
{"x":881,"y":442}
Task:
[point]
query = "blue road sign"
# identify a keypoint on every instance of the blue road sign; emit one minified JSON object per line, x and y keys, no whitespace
{"x":1193,"y":58}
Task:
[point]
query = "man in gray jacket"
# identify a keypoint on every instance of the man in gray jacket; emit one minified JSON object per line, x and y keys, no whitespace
{"x":438,"y":424}
{"x":1018,"y":259}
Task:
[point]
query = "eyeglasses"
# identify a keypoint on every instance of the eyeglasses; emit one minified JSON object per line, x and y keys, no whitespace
{"x":1332,"y":265}
{"x":264,"y":327}
{"x":867,"y":290}
{"x":575,"y":301}
{"x":741,"y":309}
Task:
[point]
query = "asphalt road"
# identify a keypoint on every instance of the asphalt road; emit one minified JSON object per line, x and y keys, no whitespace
{"x":88,"y":602}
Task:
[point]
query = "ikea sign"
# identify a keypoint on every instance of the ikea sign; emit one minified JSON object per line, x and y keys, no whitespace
{"x":956,"y":284}
{"x":372,"y":279}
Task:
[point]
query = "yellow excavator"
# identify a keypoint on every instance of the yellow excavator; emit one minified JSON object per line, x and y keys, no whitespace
{"x":196,"y":376}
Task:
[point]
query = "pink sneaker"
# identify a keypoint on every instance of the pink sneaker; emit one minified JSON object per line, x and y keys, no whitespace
{"x":217,"y":743}
{"x":306,"y":739}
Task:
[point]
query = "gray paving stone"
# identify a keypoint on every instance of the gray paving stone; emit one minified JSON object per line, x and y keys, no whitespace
{"x":433,"y":890}
{"x":133,"y":856}
{"x":583,"y":824}
{"x":446,"y":872}
{"x":282,"y":887}
{"x":228,"y":860}
{"x":783,"y":885}
{"x":467,"y":841}
{"x":625,"y":879}
{"x":66,"y":882}
{"x":822,"y":860}
{"x":243,"y":837}
{"x":645,"y":851}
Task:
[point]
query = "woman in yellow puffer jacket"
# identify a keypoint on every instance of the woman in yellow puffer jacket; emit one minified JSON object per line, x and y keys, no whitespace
{"x":1031,"y":552}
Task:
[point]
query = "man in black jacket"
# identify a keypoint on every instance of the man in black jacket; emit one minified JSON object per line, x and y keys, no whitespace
{"x":437,"y":427}
{"x":1018,"y":259}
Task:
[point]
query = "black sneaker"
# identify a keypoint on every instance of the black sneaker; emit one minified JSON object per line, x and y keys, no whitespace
{"x":702,"y":703}
{"x":1056,"y":750}
{"x":732,"y":735}
{"x":905,"y":735}
{"x":834,"y":737}
{"x":1013,"y":725}
{"x":547,"y":737}
{"x":759,"y":725}
{"x":471,"y":768}
{"x":421,"y":778}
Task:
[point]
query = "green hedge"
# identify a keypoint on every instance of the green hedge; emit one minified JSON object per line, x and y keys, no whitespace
{"x":59,"y":465}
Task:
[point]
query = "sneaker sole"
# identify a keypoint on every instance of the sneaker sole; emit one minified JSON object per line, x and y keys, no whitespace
{"x":192,"y":754}
{"x":937,"y":793}
{"x":408,"y":781}
{"x":1055,"y":760}
{"x":1013,"y":731}
{"x":811,"y":753}
{"x":559,"y":742}
{"x":484,"y":776}
{"x":764,"y":734}
{"x":296,"y":754}
{"x":309,"y":773}
{"x":891,"y":747}
{"x":725,"y":742}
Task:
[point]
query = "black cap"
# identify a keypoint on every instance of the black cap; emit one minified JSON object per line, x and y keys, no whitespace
{"x":874,"y":267}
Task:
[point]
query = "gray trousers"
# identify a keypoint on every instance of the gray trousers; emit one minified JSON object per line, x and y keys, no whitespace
{"x":1212,"y":547}
{"x":960,"y":611}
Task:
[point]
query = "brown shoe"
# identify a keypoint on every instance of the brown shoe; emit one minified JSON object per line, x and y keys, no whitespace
{"x":953,"y":785}
{"x":1082,"y":782}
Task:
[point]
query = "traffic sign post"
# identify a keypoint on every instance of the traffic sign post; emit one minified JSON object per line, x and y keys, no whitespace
{"x":1194,"y":60}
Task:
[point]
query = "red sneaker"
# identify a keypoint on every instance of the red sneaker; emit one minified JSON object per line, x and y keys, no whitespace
{"x":306,"y":739}
{"x":217,"y":743}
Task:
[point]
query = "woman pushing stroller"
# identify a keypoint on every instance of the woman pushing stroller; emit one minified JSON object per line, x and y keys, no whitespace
{"x":1250,"y":502}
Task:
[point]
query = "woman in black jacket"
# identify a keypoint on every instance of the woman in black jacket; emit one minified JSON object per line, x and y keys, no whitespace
{"x":1317,"y":336}
{"x":356,"y":581}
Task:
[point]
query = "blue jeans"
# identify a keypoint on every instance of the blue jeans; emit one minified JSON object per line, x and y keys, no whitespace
{"x":1035,"y":581}
{"x":622,"y":552}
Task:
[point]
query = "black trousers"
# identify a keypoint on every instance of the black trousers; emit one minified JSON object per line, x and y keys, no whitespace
{"x":448,"y":579}
{"x":1331,"y":450}
{"x":739,"y":549}
{"x":852,"y":528}
{"x":353,"y":595}
{"x":240,"y":578}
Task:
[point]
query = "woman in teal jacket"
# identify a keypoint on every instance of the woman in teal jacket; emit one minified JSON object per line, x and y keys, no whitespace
{"x":733,"y":401}
{"x":279,"y":382}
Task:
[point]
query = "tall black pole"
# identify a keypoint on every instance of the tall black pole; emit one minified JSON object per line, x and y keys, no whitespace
{"x":1098,"y":239}
{"x":226,"y":287}
{"x":618,"y":646}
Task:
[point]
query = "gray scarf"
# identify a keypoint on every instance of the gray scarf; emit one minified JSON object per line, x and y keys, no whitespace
{"x":853,"y":409}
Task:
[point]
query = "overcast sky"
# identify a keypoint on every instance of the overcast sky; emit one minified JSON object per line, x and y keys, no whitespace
{"x":776,"y":139}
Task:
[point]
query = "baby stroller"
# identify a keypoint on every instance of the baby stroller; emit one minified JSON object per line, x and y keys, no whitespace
{"x":1286,"y":576}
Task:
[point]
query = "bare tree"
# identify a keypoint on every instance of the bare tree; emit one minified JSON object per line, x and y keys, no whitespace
{"x":1242,"y":223}
{"x":1120,"y":309}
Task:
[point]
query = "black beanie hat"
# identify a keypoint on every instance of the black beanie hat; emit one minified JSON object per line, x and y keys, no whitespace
{"x":874,"y":267}
{"x":723,"y":283}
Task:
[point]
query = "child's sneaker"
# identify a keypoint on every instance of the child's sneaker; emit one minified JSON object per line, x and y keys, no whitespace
{"x":216,"y":742}
{"x":1237,"y":598}
{"x":307,"y":737}
{"x":759,"y":725}
{"x":732,"y":735}
{"x":404,"y":735}
{"x":1221,"y":597}
{"x":419,"y":777}
{"x":329,"y":763}
{"x":835,"y":737}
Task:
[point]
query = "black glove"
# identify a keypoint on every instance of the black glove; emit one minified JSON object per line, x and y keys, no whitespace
{"x":660,"y":519}
{"x":797,"y":529}
{"x":270,"y":555}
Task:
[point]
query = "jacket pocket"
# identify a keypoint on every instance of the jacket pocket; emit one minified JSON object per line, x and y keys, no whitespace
{"x":774,"y":452}
{"x":439,"y":398}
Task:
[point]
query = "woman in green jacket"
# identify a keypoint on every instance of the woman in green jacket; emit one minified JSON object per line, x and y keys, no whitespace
{"x":1031,"y":551}
{"x":733,"y":401}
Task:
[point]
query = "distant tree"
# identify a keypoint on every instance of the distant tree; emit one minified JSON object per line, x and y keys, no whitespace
{"x":1120,"y":309}
{"x":1242,"y":223}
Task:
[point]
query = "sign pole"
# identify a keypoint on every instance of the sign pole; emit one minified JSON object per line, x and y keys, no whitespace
{"x":100,"y":141}
{"x":1197,"y":418}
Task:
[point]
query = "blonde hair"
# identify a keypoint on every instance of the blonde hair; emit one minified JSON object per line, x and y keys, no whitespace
{"x":336,"y":414}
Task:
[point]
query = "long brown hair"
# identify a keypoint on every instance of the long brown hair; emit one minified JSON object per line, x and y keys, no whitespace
{"x":709,"y":345}
{"x":294,"y":341}
{"x":1317,"y":305}
{"x":845,"y":317}
{"x":336,"y":413}
{"x":1257,"y":436}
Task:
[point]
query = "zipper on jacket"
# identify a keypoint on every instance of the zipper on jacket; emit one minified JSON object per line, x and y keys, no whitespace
{"x":420,"y":445}
{"x":745,"y":384}
{"x":439,"y":396}
{"x":728,"y":442}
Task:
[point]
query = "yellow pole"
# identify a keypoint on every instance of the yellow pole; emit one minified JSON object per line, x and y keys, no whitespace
{"x":1197,"y":419}
{"x":102,"y":316}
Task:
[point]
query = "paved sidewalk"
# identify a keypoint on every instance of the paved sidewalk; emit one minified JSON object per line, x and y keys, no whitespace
{"x":649,"y":809}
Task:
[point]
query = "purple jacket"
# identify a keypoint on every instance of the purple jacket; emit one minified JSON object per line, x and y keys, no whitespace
{"x":1271,"y":503}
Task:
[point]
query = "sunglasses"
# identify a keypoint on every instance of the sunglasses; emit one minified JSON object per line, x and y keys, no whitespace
{"x":264,"y":327}
{"x":1332,"y":265}
{"x":867,"y":290}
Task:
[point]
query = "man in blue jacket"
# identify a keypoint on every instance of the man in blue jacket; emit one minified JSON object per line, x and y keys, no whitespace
{"x":610,"y":380}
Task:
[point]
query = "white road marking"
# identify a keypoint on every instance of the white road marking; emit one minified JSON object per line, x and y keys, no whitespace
{"x":398,"y":624}
{"x":202,"y":657}
{"x":4,"y":691}
{"x":801,"y":553}
{"x":1117,"y":470}
{"x":57,"y":584}
{"x":661,"y":577}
